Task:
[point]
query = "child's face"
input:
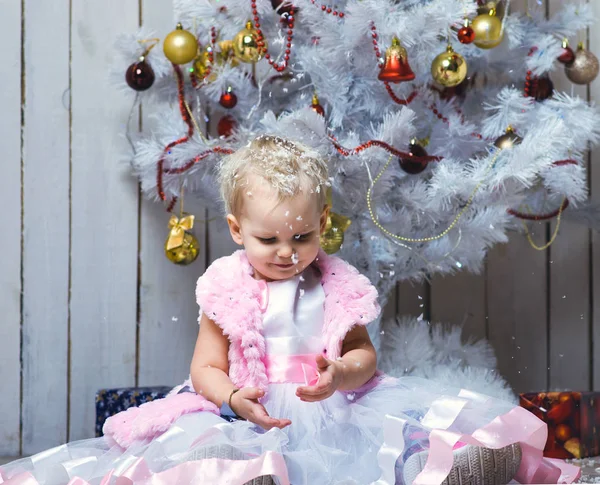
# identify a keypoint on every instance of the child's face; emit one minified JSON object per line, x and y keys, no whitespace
{"x":280,"y":238}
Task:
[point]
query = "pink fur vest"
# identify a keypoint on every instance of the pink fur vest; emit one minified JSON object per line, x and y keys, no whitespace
{"x":230,"y":296}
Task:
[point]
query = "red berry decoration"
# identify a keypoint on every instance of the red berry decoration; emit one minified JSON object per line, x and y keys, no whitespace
{"x":568,"y":55}
{"x":140,"y":75}
{"x":226,"y":126}
{"x":228,"y":99}
{"x":414,"y":166}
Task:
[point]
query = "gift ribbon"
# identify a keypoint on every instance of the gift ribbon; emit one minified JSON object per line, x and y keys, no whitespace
{"x":178,"y":228}
{"x":516,"y":426}
{"x":292,"y":369}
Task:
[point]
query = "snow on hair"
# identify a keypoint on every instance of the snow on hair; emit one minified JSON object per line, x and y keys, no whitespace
{"x":288,"y":167}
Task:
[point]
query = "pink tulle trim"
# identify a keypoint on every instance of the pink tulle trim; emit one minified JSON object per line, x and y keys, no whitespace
{"x":210,"y":470}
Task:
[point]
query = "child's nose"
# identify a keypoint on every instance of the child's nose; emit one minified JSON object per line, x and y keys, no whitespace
{"x":285,"y":251}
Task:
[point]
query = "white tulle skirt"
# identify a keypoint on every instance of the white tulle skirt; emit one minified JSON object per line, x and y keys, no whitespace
{"x":335,"y":441}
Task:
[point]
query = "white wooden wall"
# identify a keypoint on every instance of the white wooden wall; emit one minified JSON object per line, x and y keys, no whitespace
{"x":89,"y":301}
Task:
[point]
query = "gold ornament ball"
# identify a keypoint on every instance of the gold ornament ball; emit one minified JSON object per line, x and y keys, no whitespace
{"x":584,"y":69}
{"x":333,"y":237}
{"x":449,"y":68}
{"x":180,"y":46}
{"x":488,"y":30}
{"x":245,"y":44}
{"x":186,"y":253}
{"x":508,"y":140}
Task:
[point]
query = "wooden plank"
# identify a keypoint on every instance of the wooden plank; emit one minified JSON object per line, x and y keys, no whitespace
{"x":460,"y":300}
{"x":168,"y":310}
{"x":413,"y":299}
{"x":594,"y":172}
{"x":516,"y":301}
{"x":10,"y":221}
{"x":46,"y":223}
{"x":569,"y":358}
{"x":517,"y":310}
{"x":104,"y":215}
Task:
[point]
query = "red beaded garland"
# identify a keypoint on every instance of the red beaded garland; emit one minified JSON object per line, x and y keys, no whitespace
{"x":260,"y":43}
{"x":328,"y":9}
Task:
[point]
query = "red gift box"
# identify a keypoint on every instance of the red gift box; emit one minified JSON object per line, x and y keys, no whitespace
{"x":573,"y":419}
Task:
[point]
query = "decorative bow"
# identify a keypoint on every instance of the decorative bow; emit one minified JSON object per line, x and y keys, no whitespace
{"x":178,"y":228}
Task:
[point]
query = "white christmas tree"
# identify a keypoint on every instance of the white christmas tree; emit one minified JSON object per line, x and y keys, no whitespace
{"x":438,"y":117}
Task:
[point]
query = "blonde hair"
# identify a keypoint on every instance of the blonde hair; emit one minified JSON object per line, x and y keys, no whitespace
{"x":290,"y":168}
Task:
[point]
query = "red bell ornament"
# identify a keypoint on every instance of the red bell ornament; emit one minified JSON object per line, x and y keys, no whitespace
{"x":316,"y":106}
{"x":396,"y":68}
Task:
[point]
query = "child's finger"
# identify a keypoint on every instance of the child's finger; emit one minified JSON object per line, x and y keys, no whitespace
{"x":308,"y":390}
{"x":322,"y":362}
{"x":315,"y":397}
{"x":312,"y":391}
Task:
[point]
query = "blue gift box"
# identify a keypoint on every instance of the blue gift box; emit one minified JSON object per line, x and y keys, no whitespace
{"x":112,"y":401}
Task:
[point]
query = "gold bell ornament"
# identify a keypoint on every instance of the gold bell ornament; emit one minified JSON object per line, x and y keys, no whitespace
{"x":449,"y":69}
{"x":180,"y":46}
{"x":488,"y":29}
{"x":396,"y":68}
{"x":202,"y":63}
{"x":246,"y":44}
{"x":508,"y":140}
{"x":333,"y":237}
{"x":584,"y":68}
{"x":226,"y":53}
{"x":181,"y":246}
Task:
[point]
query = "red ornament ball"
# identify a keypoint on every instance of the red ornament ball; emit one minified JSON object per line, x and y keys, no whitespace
{"x":140,"y":75}
{"x":226,"y":125}
{"x":542,"y":88}
{"x":466,"y":35}
{"x":228,"y":100}
{"x":567,"y":56}
{"x":412,"y":165}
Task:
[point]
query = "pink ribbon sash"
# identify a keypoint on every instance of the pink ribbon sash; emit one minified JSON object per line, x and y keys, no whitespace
{"x":292,"y":369}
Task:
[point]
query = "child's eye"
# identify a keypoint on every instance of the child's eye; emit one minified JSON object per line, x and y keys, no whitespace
{"x":269,"y":240}
{"x":302,"y":237}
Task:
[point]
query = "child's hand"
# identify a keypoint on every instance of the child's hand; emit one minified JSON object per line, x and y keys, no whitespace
{"x":245,"y":404}
{"x":330,"y":379}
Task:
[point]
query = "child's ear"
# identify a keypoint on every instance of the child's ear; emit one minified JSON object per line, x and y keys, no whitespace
{"x":235,"y":229}
{"x":323,"y":219}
